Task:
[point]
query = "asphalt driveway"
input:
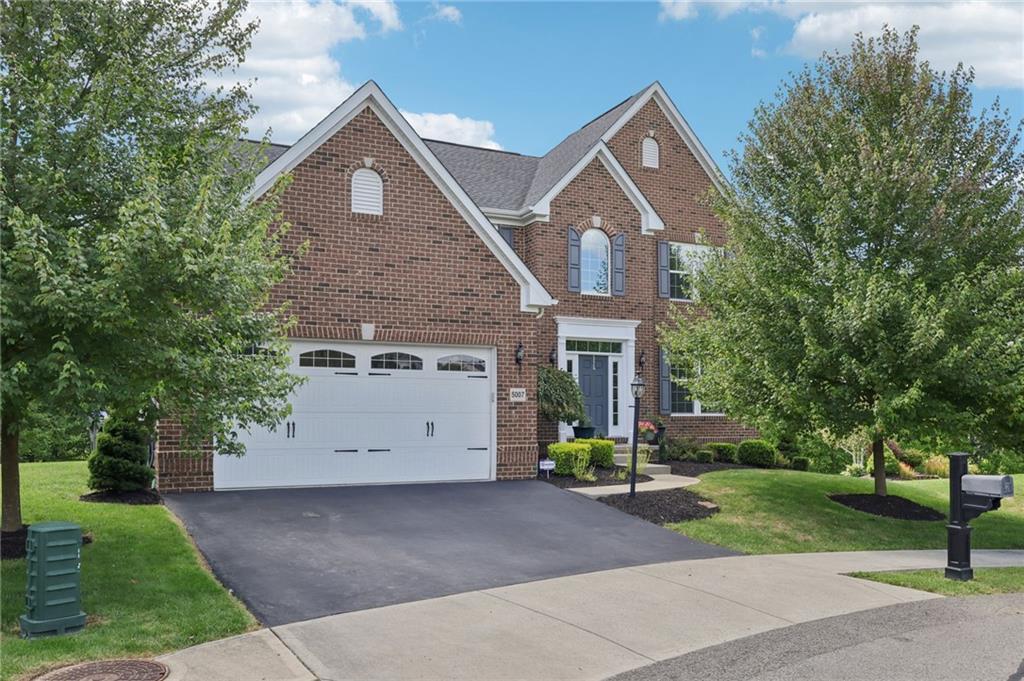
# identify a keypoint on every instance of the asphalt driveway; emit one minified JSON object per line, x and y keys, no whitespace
{"x":296,"y":554}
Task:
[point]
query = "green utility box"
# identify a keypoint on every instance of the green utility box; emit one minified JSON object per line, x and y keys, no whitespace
{"x":53,"y":597}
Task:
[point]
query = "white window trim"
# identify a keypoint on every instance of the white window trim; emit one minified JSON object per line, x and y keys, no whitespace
{"x":698,"y":408}
{"x":607,"y":259}
{"x":694,"y":253}
{"x":367,"y":204}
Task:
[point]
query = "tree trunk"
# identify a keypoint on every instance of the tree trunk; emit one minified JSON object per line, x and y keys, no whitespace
{"x":10,"y":515}
{"x":878,"y":457}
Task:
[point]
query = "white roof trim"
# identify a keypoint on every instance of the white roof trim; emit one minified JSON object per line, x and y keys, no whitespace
{"x":534,"y":297}
{"x":657,"y":92}
{"x":649,"y":218}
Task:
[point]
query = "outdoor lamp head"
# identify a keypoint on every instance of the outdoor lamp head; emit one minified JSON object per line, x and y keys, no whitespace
{"x":638,"y":386}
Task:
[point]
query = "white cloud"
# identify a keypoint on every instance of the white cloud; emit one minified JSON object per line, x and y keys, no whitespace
{"x":296,"y":80}
{"x":449,"y":13}
{"x":452,"y":128}
{"x":677,"y":10}
{"x":986,"y":35}
{"x":758,"y":53}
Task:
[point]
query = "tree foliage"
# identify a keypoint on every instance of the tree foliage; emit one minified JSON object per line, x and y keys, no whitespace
{"x":121,"y":460}
{"x":875,"y":274}
{"x":136,"y":273}
{"x":558,"y":395}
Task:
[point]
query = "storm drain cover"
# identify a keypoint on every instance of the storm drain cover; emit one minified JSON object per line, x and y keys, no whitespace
{"x":109,"y":670}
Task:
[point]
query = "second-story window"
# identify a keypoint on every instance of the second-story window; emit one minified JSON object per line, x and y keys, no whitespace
{"x":594,"y":256}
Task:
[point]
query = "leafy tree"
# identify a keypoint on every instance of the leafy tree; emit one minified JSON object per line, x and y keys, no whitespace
{"x":558,"y":395}
{"x":875,"y":276}
{"x":135,"y":273}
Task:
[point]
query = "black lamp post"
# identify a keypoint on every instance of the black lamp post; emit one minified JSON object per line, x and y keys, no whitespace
{"x":637,"y":388}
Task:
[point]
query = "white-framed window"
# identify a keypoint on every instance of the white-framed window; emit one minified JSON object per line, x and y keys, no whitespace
{"x":650,"y":153}
{"x":327,"y":359}
{"x":683,"y":403}
{"x":367,"y":192}
{"x":461,"y":363}
{"x":683,"y":261}
{"x":595,"y":252}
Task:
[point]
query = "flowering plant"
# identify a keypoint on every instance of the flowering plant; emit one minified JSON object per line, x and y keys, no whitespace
{"x":645,"y":428}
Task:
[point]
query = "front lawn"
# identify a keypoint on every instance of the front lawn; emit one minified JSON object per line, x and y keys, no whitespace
{"x":986,"y":581}
{"x":143,"y":587}
{"x":782,"y":511}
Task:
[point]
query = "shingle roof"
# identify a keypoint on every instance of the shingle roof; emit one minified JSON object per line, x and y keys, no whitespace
{"x":270,"y":152}
{"x":493,"y":179}
{"x":505,"y":180}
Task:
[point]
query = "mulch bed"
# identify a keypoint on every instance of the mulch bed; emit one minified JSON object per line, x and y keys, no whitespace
{"x":887,"y":507}
{"x":12,"y":544}
{"x":666,"y":506}
{"x":693,"y":469}
{"x":605,"y":476}
{"x":135,"y":498}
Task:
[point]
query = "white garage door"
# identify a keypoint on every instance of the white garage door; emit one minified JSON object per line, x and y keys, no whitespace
{"x":373,"y":413}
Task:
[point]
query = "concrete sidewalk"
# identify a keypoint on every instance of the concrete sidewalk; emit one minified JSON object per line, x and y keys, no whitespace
{"x":588,"y":626}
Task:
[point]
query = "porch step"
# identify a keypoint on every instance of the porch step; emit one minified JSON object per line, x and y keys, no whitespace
{"x":652,"y":468}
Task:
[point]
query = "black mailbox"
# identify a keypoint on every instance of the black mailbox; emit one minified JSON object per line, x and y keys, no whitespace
{"x":969,"y":497}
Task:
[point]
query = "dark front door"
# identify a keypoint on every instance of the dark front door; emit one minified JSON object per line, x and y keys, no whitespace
{"x":593,"y":374}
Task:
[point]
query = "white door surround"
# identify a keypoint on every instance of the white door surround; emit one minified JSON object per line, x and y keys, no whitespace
{"x":620,"y":331}
{"x":376,"y":413}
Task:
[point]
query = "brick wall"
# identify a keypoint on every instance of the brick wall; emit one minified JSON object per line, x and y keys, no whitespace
{"x":418,"y":272}
{"x":676,"y":190}
{"x":177,"y":471}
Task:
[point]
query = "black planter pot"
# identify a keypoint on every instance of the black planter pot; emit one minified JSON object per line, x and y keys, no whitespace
{"x":660,"y":435}
{"x":583,"y":432}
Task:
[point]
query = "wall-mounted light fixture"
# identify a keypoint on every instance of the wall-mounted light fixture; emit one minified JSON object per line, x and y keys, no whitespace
{"x":643,"y":358}
{"x":520,"y":353}
{"x":553,"y":356}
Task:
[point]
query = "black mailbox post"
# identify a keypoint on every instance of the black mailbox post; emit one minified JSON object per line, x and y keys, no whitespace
{"x":969,"y":497}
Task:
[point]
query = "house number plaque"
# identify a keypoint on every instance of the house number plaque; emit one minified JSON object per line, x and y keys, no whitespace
{"x":517,"y":394}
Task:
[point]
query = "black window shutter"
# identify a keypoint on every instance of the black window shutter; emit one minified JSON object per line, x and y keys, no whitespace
{"x":619,"y":265}
{"x":665,"y":392}
{"x":574,"y":261}
{"x":663,"y":274}
{"x":507,"y":235}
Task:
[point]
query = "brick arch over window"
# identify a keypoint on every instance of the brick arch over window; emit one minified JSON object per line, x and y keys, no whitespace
{"x":367,"y":182}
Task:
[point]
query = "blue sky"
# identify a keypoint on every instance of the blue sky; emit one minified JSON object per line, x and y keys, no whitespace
{"x":523,"y":75}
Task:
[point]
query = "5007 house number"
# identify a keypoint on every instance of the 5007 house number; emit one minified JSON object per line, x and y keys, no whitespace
{"x":517,"y":394}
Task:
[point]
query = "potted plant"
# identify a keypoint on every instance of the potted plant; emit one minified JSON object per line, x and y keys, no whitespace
{"x":647,"y":430}
{"x":559,"y":399}
{"x":659,"y":428}
{"x":583,"y":429}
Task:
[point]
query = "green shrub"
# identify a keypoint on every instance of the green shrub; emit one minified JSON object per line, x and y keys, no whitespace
{"x":119,"y":463}
{"x":704,"y":456}
{"x":565,"y":454}
{"x":680,"y":450}
{"x":936,"y":465}
{"x":756,"y":453}
{"x":643,"y":457}
{"x":854,"y":470}
{"x":801,"y":463}
{"x":558,"y":395}
{"x":892,"y":465}
{"x":781,"y":460}
{"x":602,"y":452}
{"x":1001,"y":462}
{"x":724,"y":451}
{"x":914,"y":458}
{"x":906,"y":472}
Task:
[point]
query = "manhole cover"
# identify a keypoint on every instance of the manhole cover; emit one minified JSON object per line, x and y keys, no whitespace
{"x":109,"y":670}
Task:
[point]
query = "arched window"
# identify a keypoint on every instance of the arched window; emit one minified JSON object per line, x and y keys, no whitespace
{"x":396,"y":360}
{"x":327,"y":359}
{"x":367,"y":192}
{"x":461,"y":363}
{"x":650,"y":154}
{"x":594,"y":262}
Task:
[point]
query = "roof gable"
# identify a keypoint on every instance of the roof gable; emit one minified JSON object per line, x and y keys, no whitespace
{"x":534,"y":297}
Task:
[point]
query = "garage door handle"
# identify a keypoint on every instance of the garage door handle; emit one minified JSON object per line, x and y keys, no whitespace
{"x":378,"y":450}
{"x":477,"y":449}
{"x":345,"y":451}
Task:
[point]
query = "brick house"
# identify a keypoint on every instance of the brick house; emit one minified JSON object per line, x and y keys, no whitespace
{"x":439,"y":276}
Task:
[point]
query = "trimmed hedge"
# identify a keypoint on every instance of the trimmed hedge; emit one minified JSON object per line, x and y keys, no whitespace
{"x":602,"y":452}
{"x":564,"y":455}
{"x":704,"y":456}
{"x":801,"y":463}
{"x":724,"y":451}
{"x":756,"y":453}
